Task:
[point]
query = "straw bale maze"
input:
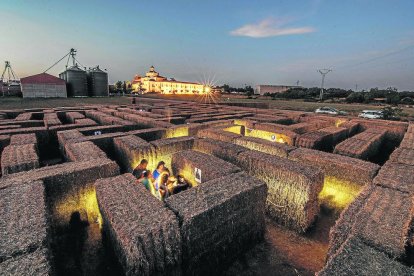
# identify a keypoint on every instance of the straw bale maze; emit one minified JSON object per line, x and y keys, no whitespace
{"x":70,"y":205}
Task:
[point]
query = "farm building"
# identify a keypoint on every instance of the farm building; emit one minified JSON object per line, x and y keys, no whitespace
{"x":43,"y":86}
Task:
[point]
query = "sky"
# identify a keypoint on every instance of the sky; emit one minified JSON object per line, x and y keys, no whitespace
{"x":366,"y":43}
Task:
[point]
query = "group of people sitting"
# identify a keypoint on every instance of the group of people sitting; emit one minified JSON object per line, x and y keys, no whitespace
{"x":160,"y":182}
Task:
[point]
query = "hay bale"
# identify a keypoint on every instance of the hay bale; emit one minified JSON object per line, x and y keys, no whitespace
{"x":396,"y":176}
{"x":211,"y":167}
{"x":395,"y":130}
{"x":218,"y":134}
{"x":131,"y":150}
{"x":358,"y":258}
{"x":352,"y":127}
{"x":270,"y":133}
{"x":68,"y":186}
{"x":24,"y":116}
{"x":86,"y":122}
{"x":381,"y":217}
{"x":221,"y":217}
{"x":73,"y":116}
{"x":363,"y":145}
{"x":83,"y":151}
{"x":384,"y":221}
{"x":223,"y":150}
{"x":145,"y":234}
{"x":23,"y":219}
{"x":18,"y":158}
{"x":23,"y":139}
{"x":342,"y":167}
{"x":402,"y":156}
{"x":342,"y":229}
{"x":273,"y":148}
{"x":165,"y":148}
{"x":67,"y":136}
{"x":338,"y":134}
{"x":35,"y":263}
{"x":315,"y":140}
{"x":293,"y":188}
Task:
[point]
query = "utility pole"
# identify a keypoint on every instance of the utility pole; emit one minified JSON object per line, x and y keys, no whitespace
{"x":323,"y":72}
{"x":356,"y":87}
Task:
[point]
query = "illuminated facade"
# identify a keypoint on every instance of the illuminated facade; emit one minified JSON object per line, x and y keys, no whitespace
{"x":153,"y":82}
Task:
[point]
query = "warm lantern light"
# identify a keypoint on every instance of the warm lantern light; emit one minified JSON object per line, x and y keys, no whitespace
{"x":337,"y":193}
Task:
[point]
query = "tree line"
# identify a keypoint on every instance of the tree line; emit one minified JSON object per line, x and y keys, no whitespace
{"x":390,"y":95}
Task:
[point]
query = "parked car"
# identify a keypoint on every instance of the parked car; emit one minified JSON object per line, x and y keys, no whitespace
{"x":371,"y":114}
{"x":329,"y":110}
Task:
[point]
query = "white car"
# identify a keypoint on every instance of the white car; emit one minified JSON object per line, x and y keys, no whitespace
{"x":329,"y":110}
{"x":371,"y":114}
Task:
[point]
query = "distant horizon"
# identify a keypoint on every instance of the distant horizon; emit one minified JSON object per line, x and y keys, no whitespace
{"x":366,"y":43}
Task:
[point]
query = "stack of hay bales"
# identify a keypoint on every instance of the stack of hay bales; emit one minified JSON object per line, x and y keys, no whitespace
{"x":73,"y":116}
{"x":23,"y":223}
{"x":380,"y":218}
{"x":292,"y":199}
{"x":338,"y":134}
{"x":315,"y":140}
{"x":223,"y":150}
{"x":273,"y":132}
{"x":358,"y":258}
{"x":18,"y":158}
{"x":363,"y":145}
{"x":165,"y":148}
{"x":352,"y":127}
{"x":219,"y":219}
{"x":67,"y":136}
{"x":35,"y":263}
{"x":218,"y":134}
{"x":344,"y":176}
{"x":86,"y":122}
{"x":83,"y":151}
{"x":145,"y":234}
{"x":51,"y":119}
{"x":210,"y":167}
{"x":26,"y":116}
{"x":23,"y":139}
{"x":394,"y":130}
{"x":274,"y":148}
{"x":131,"y":150}
{"x":408,"y":140}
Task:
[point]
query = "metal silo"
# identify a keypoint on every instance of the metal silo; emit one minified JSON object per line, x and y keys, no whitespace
{"x":97,"y":82}
{"x":76,"y":81}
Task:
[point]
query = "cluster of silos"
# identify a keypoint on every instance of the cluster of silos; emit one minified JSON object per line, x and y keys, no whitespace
{"x":81,"y":83}
{"x":97,"y":82}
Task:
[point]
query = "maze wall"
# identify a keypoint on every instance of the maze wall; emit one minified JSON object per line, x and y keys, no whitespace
{"x":254,"y":163}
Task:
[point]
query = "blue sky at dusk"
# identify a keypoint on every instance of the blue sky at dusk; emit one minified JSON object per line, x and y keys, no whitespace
{"x":365,"y":42}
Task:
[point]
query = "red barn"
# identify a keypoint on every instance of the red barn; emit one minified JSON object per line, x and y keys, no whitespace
{"x":43,"y":86}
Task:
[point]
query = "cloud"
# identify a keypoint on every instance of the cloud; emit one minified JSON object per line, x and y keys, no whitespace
{"x":270,"y":27}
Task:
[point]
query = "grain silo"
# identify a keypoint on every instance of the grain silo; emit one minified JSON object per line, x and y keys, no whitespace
{"x":76,"y":81}
{"x":97,"y":82}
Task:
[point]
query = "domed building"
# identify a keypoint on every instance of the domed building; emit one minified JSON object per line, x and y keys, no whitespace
{"x":153,"y":82}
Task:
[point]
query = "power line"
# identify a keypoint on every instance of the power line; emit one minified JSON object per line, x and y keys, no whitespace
{"x":376,"y":58}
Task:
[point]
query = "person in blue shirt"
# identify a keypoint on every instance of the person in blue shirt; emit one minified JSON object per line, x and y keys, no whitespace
{"x":160,"y":168}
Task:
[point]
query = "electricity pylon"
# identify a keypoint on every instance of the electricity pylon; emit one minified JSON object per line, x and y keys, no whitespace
{"x":323,"y":72}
